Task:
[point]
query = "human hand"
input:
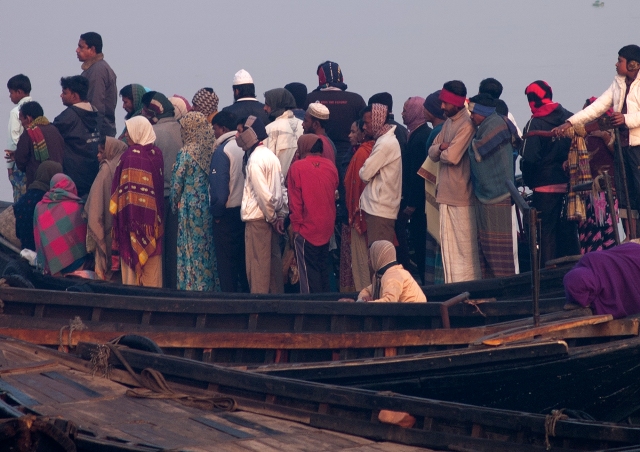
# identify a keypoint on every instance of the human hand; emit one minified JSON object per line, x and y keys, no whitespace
{"x":408,"y":211}
{"x":279,"y":226}
{"x":617,"y":119}
{"x":444,"y":146}
{"x":347,"y":299}
{"x":559,"y":131}
{"x":367,"y":298}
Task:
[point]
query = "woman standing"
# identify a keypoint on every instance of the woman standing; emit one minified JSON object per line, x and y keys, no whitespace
{"x":96,"y":210}
{"x":190,"y":199}
{"x":137,"y":206}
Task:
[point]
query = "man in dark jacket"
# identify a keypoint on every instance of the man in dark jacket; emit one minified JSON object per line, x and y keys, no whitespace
{"x":78,"y":125}
{"x":543,"y":172}
{"x":103,"y":92}
{"x":244,"y":96}
{"x":39,"y":142}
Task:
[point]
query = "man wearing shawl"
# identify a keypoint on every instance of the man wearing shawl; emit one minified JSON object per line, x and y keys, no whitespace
{"x":205,"y":100}
{"x":412,"y":214}
{"x":190,"y":200}
{"x":26,"y":205}
{"x":285,"y":128}
{"x":39,"y":142}
{"x":458,"y":235}
{"x":491,"y":158}
{"x":138,"y":207}
{"x":132,"y":102}
{"x":96,"y":209}
{"x":316,"y":121}
{"x":607,"y":281}
{"x":264,"y":208}
{"x":382,"y":172}
{"x":311,"y":185}
{"x":543,"y":172}
{"x":390,"y":281}
{"x":59,"y":230}
{"x":433,"y":273}
{"x":159,"y":111}
{"x":245,"y":103}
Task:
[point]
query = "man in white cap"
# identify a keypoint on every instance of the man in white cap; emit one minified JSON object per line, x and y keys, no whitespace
{"x":315,"y":121}
{"x":245,"y":102}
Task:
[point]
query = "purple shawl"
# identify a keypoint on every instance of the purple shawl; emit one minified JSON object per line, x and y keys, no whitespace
{"x":608,"y":281}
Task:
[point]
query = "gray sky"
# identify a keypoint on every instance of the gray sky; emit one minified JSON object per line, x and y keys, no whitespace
{"x":407,"y":48}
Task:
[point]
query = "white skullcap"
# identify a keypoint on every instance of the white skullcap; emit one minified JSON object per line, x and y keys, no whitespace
{"x":242,"y":77}
{"x":317,"y":110}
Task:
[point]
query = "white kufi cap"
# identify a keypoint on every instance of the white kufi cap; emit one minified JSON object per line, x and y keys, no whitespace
{"x":317,"y":110}
{"x":242,"y":77}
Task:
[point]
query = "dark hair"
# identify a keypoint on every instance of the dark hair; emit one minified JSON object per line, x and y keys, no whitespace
{"x":484,"y":99}
{"x":33,"y":109}
{"x":210,"y":90}
{"x":360,"y":123}
{"x":148,"y":97}
{"x":19,"y":81}
{"x":323,"y":122}
{"x":225,"y":119}
{"x":456,"y":87}
{"x":491,"y":87}
{"x":92,"y":39}
{"x":502,"y":108}
{"x":103,"y":140}
{"x":382,"y":98}
{"x":127,"y":91}
{"x":366,"y":109}
{"x":299,"y":92}
{"x":246,"y":90}
{"x":240,"y":121}
{"x":317,"y":147}
{"x":76,"y":84}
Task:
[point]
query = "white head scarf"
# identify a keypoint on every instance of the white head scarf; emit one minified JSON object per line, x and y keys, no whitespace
{"x":140,"y":130}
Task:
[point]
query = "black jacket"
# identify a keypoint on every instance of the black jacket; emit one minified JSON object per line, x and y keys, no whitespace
{"x":542,"y":158}
{"x":79,"y":128}
{"x":245,"y":108}
{"x":412,"y":159}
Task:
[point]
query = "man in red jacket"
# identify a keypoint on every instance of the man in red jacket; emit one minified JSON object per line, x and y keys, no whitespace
{"x":312,"y":184}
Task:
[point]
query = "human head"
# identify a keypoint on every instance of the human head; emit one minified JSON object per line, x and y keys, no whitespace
{"x":453,"y":95}
{"x":61,"y":181}
{"x":74,"y":89}
{"x":540,"y":97}
{"x":299,"y":92}
{"x":501,"y":107}
{"x":193,"y":127}
{"x":243,"y":85}
{"x":156,"y":106}
{"x":132,"y":98}
{"x":412,"y":113}
{"x":330,"y":76}
{"x":110,"y":148}
{"x":309,"y":144}
{"x":46,"y":170}
{"x":223,"y":122}
{"x":205,"y":100}
{"x":433,"y":107}
{"x":381,"y":253}
{"x":316,"y":118}
{"x":277,"y":101}
{"x":253,"y":132}
{"x":628,"y":60}
{"x":480,"y":106}
{"x":581,"y":286}
{"x":491,"y":87}
{"x":355,"y":134}
{"x":89,"y":45}
{"x":375,"y":119}
{"x":19,"y":86}
{"x":140,"y":131}
{"x":382,"y":98}
{"x":30,"y":111}
{"x":181,"y":106}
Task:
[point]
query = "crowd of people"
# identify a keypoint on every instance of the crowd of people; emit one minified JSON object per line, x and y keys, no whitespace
{"x":314,"y":190}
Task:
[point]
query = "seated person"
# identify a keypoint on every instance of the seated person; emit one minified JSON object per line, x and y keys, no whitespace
{"x":26,"y":205}
{"x":390,"y":281}
{"x":607,"y":281}
{"x":59,"y":229}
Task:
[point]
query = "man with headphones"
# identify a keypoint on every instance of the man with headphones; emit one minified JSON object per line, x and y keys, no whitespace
{"x":624,"y":97}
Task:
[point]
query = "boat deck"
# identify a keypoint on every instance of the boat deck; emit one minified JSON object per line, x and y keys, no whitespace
{"x":104,"y":414}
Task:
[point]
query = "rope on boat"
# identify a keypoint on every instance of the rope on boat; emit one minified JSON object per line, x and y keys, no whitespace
{"x":100,"y":361}
{"x":550,"y":425}
{"x":74,"y":325}
{"x":475,"y":304}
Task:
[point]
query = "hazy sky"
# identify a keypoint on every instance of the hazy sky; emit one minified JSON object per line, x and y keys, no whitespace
{"x":407,"y":48}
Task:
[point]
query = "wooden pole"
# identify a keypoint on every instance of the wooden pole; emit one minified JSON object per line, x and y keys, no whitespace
{"x":631,"y":231}
{"x":610,"y":203}
{"x":535,"y":265}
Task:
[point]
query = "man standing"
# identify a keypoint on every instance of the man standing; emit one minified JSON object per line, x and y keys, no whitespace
{"x":491,"y":157}
{"x":315,"y":121}
{"x":264,"y":208}
{"x":20,"y":93}
{"x":624,"y":97}
{"x":245,"y":103}
{"x":299,"y":92}
{"x":226,"y":182}
{"x":401,"y":132}
{"x":458,"y":236}
{"x":103,"y":92}
{"x":312,"y":183}
{"x":382,"y":172}
{"x":160,"y":113}
{"x":79,"y":127}
{"x":285,"y":128}
{"x":542,"y":170}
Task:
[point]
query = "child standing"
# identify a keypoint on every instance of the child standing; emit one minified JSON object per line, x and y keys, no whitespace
{"x":19,"y":92}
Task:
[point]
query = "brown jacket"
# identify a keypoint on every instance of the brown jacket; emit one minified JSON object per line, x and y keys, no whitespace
{"x":25,"y":158}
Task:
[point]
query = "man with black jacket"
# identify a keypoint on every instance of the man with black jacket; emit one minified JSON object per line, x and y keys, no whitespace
{"x":543,"y":172}
{"x":79,"y":127}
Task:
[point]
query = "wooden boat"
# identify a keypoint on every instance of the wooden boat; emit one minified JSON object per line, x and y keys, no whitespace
{"x":596,"y":374}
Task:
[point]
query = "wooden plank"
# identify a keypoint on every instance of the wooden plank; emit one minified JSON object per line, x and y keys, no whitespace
{"x":29,"y":367}
{"x":249,"y":424}
{"x":17,"y":394}
{"x":222,"y":428}
{"x":521,"y":333}
{"x":57,"y":376}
